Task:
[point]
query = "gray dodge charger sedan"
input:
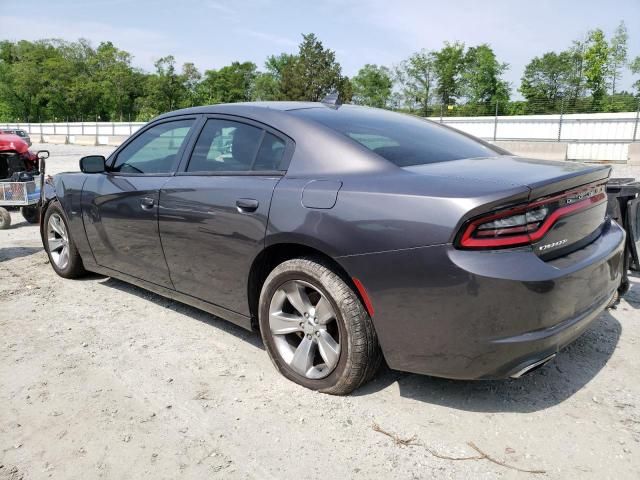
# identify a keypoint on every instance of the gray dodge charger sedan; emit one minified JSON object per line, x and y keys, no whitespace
{"x":346,"y":235}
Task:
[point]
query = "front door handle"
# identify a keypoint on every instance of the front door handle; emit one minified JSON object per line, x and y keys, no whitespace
{"x":247,"y":205}
{"x":147,"y":203}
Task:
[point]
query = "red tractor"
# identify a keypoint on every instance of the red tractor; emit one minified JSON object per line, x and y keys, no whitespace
{"x":18,"y":183}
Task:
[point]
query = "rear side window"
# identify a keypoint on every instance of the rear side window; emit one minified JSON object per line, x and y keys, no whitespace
{"x":228,"y":146}
{"x":270,"y":154}
{"x":401,"y":139}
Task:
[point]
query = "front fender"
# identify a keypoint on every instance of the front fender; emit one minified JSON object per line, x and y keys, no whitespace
{"x":66,"y":189}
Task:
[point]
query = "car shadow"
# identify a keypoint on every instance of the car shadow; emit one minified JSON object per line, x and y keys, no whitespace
{"x":574,"y":367}
{"x":633,"y":295}
{"x":200,"y":315}
{"x":9,"y":253}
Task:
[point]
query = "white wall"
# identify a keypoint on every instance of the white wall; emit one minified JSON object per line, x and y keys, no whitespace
{"x":591,"y":136}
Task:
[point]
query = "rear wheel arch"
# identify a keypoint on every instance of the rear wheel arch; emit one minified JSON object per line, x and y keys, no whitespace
{"x":274,"y":255}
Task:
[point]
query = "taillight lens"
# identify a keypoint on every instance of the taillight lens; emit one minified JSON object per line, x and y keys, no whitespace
{"x":525,"y":224}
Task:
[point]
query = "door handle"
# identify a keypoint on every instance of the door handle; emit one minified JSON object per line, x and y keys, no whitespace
{"x":147,"y":203}
{"x":247,"y":205}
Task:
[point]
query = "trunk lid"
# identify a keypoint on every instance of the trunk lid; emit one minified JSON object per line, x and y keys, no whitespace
{"x":568,"y":183}
{"x":542,"y":177}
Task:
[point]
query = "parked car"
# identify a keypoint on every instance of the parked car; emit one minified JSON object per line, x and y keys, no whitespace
{"x":20,"y":133}
{"x":346,"y":235}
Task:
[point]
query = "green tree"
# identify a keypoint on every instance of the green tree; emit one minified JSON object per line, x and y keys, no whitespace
{"x":232,"y":83}
{"x":635,"y":69}
{"x":618,"y":55}
{"x":577,"y":79}
{"x":190,"y":80}
{"x":23,"y":78}
{"x":547,"y":80}
{"x":482,"y":76}
{"x":596,"y":60}
{"x":268,"y":85}
{"x":372,"y":86}
{"x":117,"y":80}
{"x":448,"y":66}
{"x":163,"y":91}
{"x":416,"y":76}
{"x":313,"y":73}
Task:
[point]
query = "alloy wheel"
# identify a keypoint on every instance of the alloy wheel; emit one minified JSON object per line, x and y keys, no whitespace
{"x":305,"y":329}
{"x":58,"y":241}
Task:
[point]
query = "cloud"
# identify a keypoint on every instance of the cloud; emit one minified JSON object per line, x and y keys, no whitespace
{"x":220,"y":7}
{"x":268,"y":37}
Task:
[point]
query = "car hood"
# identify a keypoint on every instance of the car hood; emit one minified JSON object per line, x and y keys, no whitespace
{"x":10,"y":142}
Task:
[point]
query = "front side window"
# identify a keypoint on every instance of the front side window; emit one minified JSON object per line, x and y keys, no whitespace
{"x":154,"y":150}
{"x":228,"y":146}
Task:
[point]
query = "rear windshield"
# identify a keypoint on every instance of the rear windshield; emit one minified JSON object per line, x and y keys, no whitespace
{"x":402,"y":139}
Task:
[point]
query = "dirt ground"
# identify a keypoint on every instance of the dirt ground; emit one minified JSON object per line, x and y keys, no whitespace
{"x":100,"y":379}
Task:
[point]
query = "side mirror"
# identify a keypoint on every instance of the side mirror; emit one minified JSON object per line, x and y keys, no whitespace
{"x":92,"y":164}
{"x":42,"y":154}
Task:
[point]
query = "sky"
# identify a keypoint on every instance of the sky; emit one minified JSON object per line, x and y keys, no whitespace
{"x":213,"y":33}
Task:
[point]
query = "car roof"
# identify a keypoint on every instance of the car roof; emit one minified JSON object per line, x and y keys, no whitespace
{"x":241,"y":108}
{"x":307,"y":134}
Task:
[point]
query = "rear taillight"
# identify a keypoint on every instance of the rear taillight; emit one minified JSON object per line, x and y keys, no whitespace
{"x":525,"y":224}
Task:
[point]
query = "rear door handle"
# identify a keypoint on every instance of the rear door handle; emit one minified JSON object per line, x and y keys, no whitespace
{"x":247,"y":205}
{"x":147,"y":203}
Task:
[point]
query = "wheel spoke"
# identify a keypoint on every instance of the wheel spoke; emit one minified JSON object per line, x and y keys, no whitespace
{"x":55,"y":243}
{"x":55,"y":224}
{"x":282,"y":323}
{"x":329,"y":349}
{"x":303,"y":358}
{"x":324,"y":312}
{"x":64,"y":257}
{"x":298,"y":297}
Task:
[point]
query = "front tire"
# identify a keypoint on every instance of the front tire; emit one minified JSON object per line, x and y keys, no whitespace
{"x":59,"y":245}
{"x":315,"y":328}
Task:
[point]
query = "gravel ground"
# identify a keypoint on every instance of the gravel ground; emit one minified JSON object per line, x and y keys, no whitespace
{"x":100,"y":379}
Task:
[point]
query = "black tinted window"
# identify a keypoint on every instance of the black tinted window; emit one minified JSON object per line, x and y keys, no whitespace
{"x":154,"y":150}
{"x":228,"y":146}
{"x":402,"y":139}
{"x":270,"y":154}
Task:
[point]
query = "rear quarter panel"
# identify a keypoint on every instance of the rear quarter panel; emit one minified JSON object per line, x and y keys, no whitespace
{"x":379,"y":212}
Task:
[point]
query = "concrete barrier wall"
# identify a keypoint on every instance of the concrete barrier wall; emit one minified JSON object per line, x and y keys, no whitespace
{"x":111,"y":140}
{"x":542,"y":150}
{"x":634,"y":153}
{"x":83,"y":139}
{"x":59,"y":139}
{"x":588,"y":137}
{"x":116,"y":141}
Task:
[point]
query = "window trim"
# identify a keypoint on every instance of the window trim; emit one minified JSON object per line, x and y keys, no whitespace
{"x":113,"y":158}
{"x":286,"y":158}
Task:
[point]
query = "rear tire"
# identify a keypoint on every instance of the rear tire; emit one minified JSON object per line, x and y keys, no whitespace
{"x":31,"y":214}
{"x":59,"y":245}
{"x":5,"y":219}
{"x":336,"y":321}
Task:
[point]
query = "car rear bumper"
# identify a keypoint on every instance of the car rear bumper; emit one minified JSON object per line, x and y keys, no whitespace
{"x":485,"y":314}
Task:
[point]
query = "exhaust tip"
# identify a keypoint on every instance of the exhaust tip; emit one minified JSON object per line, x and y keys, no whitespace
{"x":533,"y":366}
